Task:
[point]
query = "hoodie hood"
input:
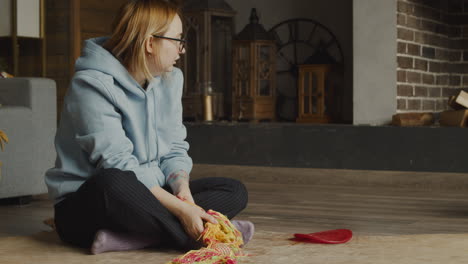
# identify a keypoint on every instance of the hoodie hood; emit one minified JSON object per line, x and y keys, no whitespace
{"x":95,"y":57}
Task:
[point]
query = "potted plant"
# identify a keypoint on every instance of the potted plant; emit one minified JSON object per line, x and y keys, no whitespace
{"x":3,"y":64}
{"x":3,"y":140}
{"x":4,"y":69}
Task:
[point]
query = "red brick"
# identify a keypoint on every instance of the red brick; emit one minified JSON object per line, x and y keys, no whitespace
{"x":459,"y":43}
{"x":435,"y":27}
{"x":455,"y":80}
{"x":405,"y":34}
{"x":401,"y":76}
{"x":458,"y":19}
{"x":435,"y":92}
{"x":451,"y":68}
{"x":429,"y":105}
{"x":430,"y":3}
{"x":440,"y":54}
{"x":447,"y":92}
{"x":442,"y":80}
{"x":428,"y":25}
{"x":461,"y":68}
{"x":405,"y":62}
{"x":431,"y":39}
{"x":401,"y":48}
{"x":447,"y":55}
{"x":428,"y":79}
{"x":437,"y":41}
{"x":413,"y":77}
{"x":420,"y":64}
{"x":401,"y":104}
{"x":413,"y":22}
{"x":435,"y":67}
{"x":428,"y":52}
{"x":414,"y":49}
{"x":414,"y":104}
{"x":441,"y":105}
{"x":426,"y":12}
{"x":454,"y":32}
{"x":401,"y":19}
{"x":455,"y":55}
{"x":419,"y":37}
{"x":404,"y":7}
{"x":465,"y":31}
{"x":454,"y":6}
{"x":420,"y":91}
{"x":405,"y":90}
{"x":445,"y":30}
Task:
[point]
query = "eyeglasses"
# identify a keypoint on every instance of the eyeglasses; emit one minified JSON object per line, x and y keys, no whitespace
{"x":181,"y":41}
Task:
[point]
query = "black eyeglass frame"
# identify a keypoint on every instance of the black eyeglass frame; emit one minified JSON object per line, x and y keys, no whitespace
{"x":181,"y":41}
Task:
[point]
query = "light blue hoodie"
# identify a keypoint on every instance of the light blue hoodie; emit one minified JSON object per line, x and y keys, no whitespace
{"x":109,"y":121}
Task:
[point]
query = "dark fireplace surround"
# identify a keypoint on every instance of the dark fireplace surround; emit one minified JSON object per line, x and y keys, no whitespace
{"x":432,"y":59}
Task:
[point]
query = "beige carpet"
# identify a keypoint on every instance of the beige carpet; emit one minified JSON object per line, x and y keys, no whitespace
{"x":265,"y":248}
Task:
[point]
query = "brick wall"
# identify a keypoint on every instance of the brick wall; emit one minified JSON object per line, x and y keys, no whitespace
{"x":432,"y":53}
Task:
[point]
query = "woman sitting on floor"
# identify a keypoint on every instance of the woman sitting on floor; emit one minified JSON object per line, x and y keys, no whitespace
{"x":121,"y":179}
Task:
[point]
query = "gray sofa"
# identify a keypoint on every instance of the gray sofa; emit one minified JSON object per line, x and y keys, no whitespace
{"x":28,"y":116}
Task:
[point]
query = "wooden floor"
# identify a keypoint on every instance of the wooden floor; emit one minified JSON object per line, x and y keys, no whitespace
{"x":302,"y":208}
{"x":297,"y":208}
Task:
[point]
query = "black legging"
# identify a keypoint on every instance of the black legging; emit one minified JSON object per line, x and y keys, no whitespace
{"x":116,"y":200}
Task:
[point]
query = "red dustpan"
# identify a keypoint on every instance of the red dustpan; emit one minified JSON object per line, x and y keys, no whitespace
{"x":336,"y":236}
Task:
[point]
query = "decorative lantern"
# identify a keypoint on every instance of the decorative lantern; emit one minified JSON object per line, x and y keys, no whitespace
{"x":254,"y":72}
{"x":209,"y":27}
{"x":315,"y":88}
{"x":311,"y":94}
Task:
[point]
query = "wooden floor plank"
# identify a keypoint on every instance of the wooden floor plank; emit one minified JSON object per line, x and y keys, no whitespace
{"x":309,"y":207}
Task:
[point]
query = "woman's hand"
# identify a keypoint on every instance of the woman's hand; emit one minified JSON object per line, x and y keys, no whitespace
{"x":184,"y":194}
{"x":192,"y":217}
{"x":179,"y":182}
{"x":183,"y":207}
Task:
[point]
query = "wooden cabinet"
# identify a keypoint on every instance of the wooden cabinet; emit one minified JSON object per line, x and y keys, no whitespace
{"x":209,"y":26}
{"x":22,"y":37}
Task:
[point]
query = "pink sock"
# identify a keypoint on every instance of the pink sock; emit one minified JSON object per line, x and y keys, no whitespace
{"x":106,"y":240}
{"x":247,"y":229}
